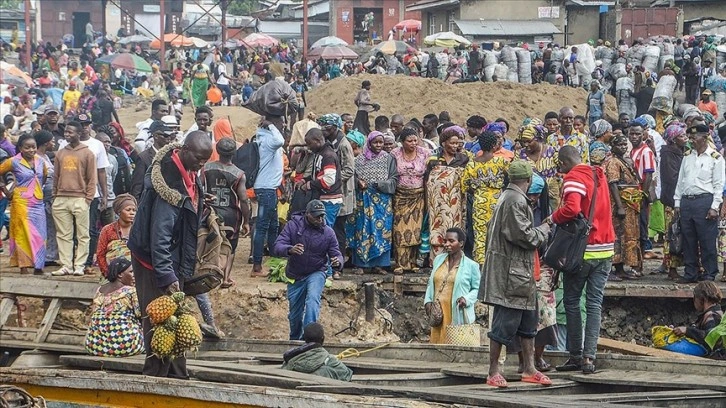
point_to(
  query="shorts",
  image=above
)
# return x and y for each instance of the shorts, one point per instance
(508, 323)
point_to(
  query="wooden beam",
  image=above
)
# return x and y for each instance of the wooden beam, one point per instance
(638, 350)
(651, 380)
(48, 288)
(6, 308)
(48, 320)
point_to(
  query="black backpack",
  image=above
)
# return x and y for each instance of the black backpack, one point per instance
(247, 159)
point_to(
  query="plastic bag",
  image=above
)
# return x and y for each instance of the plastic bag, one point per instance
(664, 338)
(275, 98)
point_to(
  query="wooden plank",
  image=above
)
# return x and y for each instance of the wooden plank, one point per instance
(6, 308)
(651, 380)
(48, 320)
(652, 396)
(29, 345)
(27, 334)
(638, 350)
(48, 287)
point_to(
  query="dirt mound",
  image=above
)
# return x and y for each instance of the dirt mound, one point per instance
(416, 97)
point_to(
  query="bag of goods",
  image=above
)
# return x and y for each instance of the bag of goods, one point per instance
(663, 95)
(663, 60)
(720, 55)
(524, 66)
(274, 98)
(176, 330)
(512, 76)
(501, 71)
(720, 98)
(650, 60)
(715, 83)
(489, 59)
(489, 72)
(617, 71)
(635, 54)
(509, 58)
(607, 58)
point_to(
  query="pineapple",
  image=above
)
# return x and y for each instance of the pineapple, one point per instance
(188, 333)
(161, 309)
(163, 342)
(178, 297)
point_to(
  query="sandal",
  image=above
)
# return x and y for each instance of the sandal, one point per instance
(588, 368)
(497, 381)
(538, 378)
(614, 278)
(228, 284)
(572, 364)
(358, 271)
(398, 271)
(380, 271)
(336, 275)
(543, 366)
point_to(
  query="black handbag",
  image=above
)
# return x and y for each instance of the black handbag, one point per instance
(675, 237)
(566, 250)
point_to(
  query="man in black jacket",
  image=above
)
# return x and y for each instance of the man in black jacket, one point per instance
(162, 134)
(163, 240)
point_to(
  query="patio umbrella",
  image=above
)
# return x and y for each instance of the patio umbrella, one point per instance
(199, 43)
(328, 41)
(12, 75)
(136, 38)
(391, 46)
(255, 40)
(176, 40)
(446, 39)
(333, 52)
(125, 61)
(408, 25)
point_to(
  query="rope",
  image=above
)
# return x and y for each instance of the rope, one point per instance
(351, 352)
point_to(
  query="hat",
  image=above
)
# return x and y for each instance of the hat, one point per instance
(51, 109)
(520, 170)
(317, 208)
(83, 119)
(699, 128)
(160, 126)
(706, 92)
(170, 121)
(607, 43)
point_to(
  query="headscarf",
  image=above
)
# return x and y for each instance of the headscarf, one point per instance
(222, 128)
(456, 130)
(356, 137)
(122, 201)
(598, 152)
(367, 152)
(650, 120)
(639, 121)
(674, 130)
(708, 118)
(496, 127)
(531, 121)
(669, 120)
(600, 127)
(331, 119)
(116, 267)
(618, 139)
(537, 184)
(530, 132)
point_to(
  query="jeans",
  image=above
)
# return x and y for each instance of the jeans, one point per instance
(331, 215)
(227, 91)
(644, 217)
(267, 224)
(93, 230)
(303, 296)
(591, 277)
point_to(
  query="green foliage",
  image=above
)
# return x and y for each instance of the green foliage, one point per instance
(277, 270)
(240, 7)
(10, 4)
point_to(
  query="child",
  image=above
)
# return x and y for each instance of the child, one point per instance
(312, 358)
(707, 301)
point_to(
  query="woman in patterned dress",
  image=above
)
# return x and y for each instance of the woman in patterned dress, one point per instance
(27, 212)
(115, 328)
(541, 156)
(484, 177)
(371, 225)
(671, 156)
(444, 197)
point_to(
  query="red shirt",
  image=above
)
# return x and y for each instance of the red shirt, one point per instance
(188, 177)
(643, 159)
(178, 75)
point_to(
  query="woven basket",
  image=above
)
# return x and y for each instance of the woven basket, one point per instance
(467, 334)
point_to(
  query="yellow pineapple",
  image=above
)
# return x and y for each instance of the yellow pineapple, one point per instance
(161, 309)
(188, 333)
(163, 342)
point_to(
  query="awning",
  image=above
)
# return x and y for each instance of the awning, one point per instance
(431, 4)
(591, 2)
(506, 28)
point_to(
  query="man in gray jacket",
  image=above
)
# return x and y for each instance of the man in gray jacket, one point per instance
(509, 275)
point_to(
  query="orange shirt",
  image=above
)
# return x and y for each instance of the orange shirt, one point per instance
(709, 107)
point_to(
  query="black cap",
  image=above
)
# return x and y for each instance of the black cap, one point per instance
(315, 208)
(83, 119)
(699, 128)
(159, 126)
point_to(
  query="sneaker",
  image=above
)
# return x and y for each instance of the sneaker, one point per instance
(62, 272)
(78, 271)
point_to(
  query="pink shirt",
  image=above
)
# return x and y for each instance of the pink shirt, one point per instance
(411, 173)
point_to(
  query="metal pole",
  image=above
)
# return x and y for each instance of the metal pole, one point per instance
(28, 39)
(370, 296)
(305, 36)
(162, 49)
(104, 3)
(223, 6)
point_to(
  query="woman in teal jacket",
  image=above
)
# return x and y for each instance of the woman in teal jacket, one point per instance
(454, 283)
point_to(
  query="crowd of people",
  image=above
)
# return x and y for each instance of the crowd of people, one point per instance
(465, 202)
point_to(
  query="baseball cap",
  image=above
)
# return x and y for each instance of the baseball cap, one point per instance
(699, 128)
(706, 92)
(83, 118)
(159, 126)
(51, 109)
(315, 208)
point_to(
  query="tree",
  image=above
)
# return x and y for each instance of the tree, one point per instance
(240, 7)
(10, 4)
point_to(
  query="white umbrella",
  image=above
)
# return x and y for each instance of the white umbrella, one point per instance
(446, 38)
(328, 41)
(199, 43)
(137, 38)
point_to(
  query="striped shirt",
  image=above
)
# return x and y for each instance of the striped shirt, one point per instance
(644, 160)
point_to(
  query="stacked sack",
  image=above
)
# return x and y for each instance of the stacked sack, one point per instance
(524, 66)
(509, 58)
(663, 95)
(176, 330)
(490, 63)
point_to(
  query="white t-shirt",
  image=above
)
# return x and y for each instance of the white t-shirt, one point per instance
(143, 136)
(222, 69)
(99, 150)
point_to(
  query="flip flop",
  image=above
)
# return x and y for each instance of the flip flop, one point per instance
(497, 381)
(228, 284)
(537, 378)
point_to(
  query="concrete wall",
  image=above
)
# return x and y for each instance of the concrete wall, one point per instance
(512, 10)
(716, 9)
(442, 22)
(583, 23)
(55, 25)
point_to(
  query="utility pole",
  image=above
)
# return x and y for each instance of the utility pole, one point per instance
(28, 39)
(305, 31)
(104, 4)
(223, 4)
(162, 49)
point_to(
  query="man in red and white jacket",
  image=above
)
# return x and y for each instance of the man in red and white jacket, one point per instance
(577, 192)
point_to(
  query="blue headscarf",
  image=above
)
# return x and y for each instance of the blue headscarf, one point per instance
(537, 184)
(357, 137)
(331, 119)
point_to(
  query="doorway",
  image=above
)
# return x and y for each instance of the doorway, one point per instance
(80, 19)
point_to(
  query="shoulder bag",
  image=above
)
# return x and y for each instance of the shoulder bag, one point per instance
(566, 250)
(436, 313)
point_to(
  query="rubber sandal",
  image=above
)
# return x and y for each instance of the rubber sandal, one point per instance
(537, 378)
(588, 368)
(228, 284)
(543, 366)
(570, 365)
(497, 381)
(398, 271)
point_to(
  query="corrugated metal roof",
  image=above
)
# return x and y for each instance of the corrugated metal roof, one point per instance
(506, 28)
(431, 4)
(591, 2)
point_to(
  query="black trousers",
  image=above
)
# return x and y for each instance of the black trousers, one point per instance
(93, 230)
(339, 229)
(147, 290)
(698, 233)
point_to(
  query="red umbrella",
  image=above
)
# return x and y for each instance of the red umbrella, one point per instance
(333, 52)
(255, 40)
(409, 25)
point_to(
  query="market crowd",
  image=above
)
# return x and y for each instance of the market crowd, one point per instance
(466, 201)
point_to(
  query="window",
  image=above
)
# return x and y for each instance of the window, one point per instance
(432, 23)
(451, 15)
(8, 25)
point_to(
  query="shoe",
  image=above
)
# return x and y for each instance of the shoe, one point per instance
(62, 272)
(588, 368)
(88, 270)
(210, 331)
(250, 260)
(52, 263)
(684, 281)
(78, 272)
(572, 364)
(614, 278)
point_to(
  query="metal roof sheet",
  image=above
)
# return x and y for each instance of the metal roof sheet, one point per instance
(506, 28)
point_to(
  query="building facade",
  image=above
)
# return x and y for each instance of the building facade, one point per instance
(347, 19)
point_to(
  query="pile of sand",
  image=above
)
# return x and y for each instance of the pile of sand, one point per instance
(415, 97)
